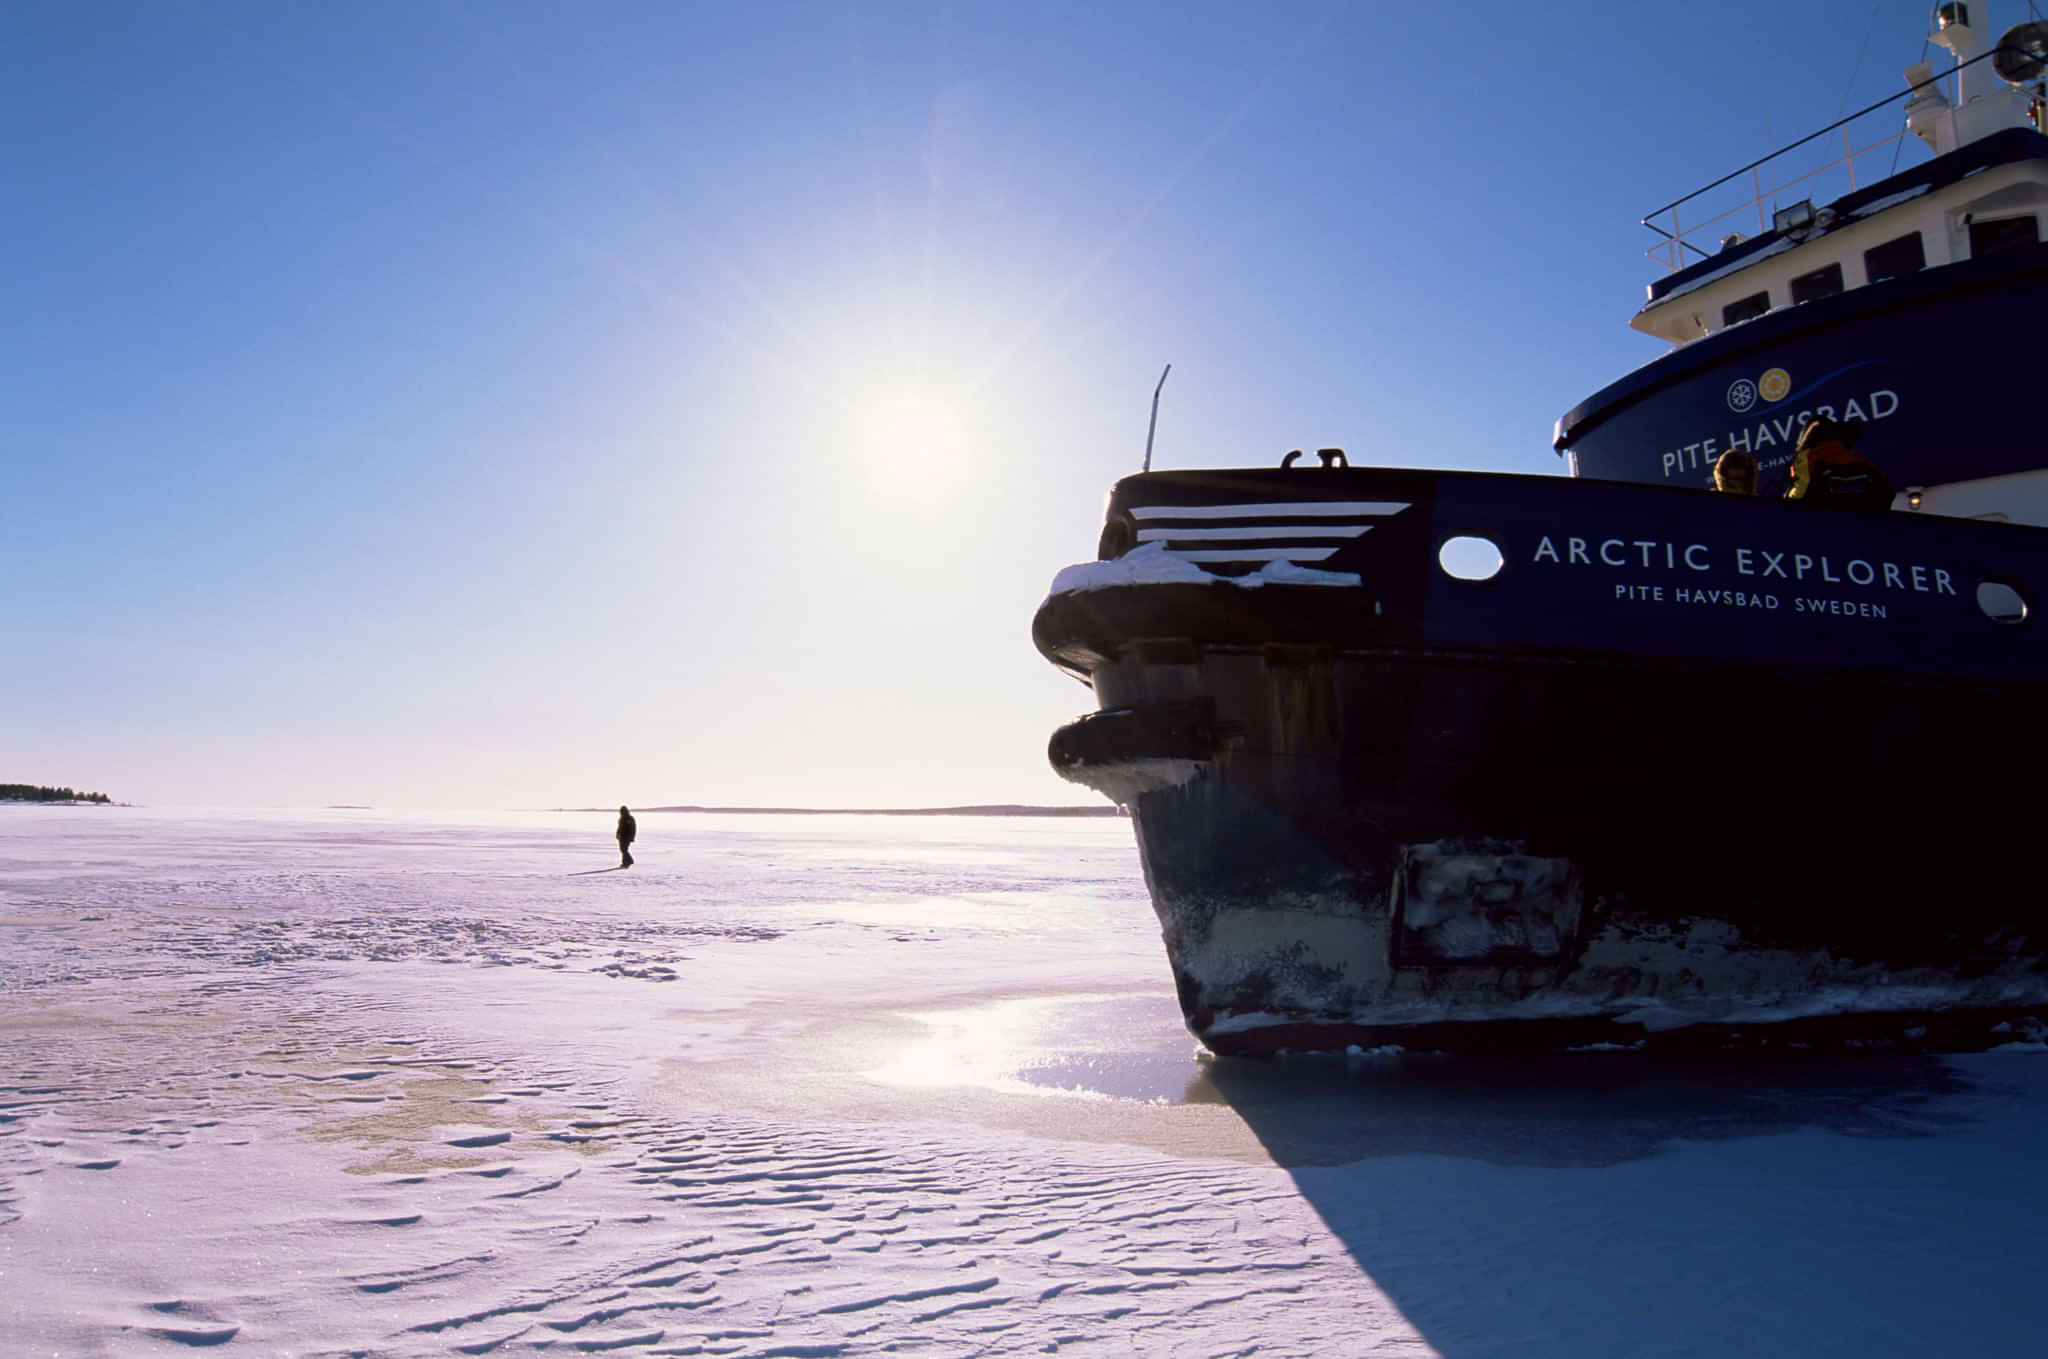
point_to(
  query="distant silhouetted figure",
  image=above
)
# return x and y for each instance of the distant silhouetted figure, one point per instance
(1735, 473)
(1827, 469)
(628, 828)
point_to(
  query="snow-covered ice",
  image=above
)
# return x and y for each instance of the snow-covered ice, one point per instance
(350, 1083)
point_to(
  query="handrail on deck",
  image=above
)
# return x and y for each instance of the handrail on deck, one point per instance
(1670, 250)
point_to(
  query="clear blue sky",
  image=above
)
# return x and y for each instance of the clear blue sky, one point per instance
(502, 404)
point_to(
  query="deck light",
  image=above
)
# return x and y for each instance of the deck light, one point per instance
(1795, 220)
(1913, 497)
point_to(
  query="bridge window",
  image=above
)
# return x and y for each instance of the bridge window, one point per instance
(1756, 304)
(1818, 284)
(1895, 259)
(2002, 233)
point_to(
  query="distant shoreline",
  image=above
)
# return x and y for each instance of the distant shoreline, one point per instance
(45, 794)
(999, 809)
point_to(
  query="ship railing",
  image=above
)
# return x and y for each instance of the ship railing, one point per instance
(1721, 208)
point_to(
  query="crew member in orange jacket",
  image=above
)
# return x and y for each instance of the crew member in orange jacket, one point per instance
(1827, 469)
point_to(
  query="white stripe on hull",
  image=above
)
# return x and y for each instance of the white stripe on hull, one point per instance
(1261, 554)
(1291, 529)
(1155, 535)
(1293, 509)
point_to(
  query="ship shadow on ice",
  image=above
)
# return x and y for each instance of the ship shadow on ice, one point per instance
(1570, 1109)
(1622, 1204)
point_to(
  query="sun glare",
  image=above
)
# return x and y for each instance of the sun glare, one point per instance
(914, 444)
(912, 428)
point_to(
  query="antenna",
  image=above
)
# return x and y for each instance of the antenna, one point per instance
(1151, 428)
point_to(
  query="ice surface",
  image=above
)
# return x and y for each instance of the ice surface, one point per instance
(351, 1083)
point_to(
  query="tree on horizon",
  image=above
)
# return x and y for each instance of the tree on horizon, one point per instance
(31, 792)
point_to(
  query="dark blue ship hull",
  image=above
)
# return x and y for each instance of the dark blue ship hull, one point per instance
(1882, 354)
(1685, 766)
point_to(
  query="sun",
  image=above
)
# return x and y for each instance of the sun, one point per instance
(914, 445)
(911, 427)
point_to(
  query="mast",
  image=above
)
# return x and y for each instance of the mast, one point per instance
(1149, 429)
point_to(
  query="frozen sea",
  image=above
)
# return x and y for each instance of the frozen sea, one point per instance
(348, 1082)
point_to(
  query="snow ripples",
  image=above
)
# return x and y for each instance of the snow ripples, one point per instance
(443, 1202)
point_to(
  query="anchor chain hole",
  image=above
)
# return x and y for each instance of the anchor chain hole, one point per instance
(2000, 602)
(1470, 557)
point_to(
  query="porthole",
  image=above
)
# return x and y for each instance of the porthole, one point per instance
(2000, 602)
(1470, 557)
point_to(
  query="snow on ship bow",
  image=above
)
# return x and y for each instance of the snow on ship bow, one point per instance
(1464, 760)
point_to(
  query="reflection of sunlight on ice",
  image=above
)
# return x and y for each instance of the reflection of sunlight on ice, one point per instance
(982, 1047)
(1045, 1045)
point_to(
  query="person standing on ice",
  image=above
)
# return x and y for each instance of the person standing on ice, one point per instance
(628, 828)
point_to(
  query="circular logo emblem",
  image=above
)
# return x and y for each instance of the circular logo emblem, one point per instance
(1774, 384)
(1741, 395)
